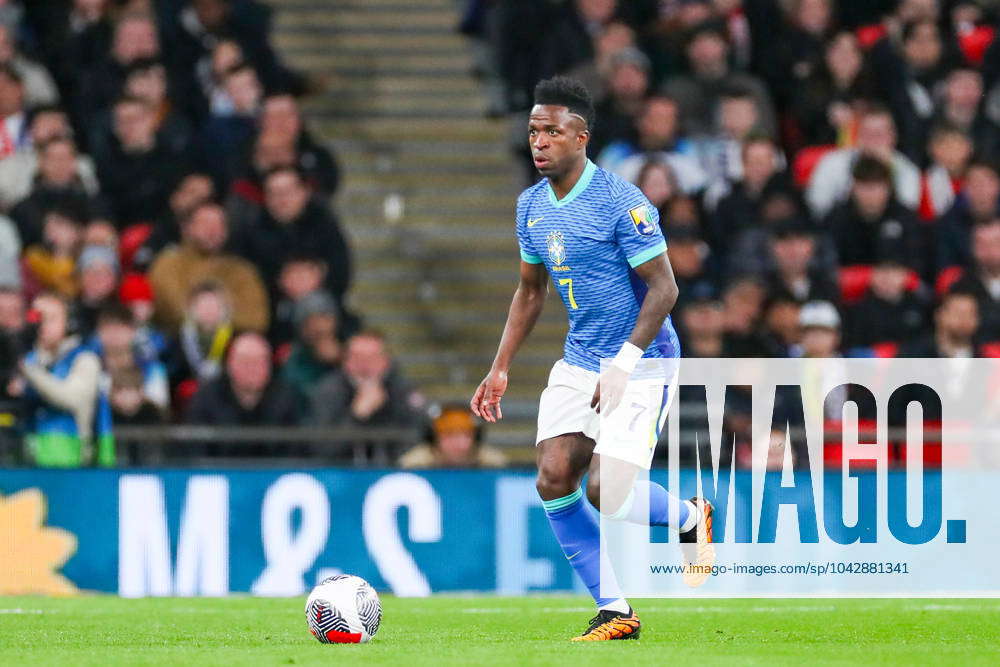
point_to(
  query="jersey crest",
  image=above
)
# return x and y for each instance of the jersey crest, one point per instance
(556, 247)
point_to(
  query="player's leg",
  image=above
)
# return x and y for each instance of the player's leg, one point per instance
(613, 486)
(562, 462)
(628, 438)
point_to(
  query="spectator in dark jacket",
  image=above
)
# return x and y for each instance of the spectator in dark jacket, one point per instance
(888, 312)
(57, 184)
(872, 216)
(955, 323)
(246, 394)
(982, 279)
(978, 202)
(295, 223)
(137, 171)
(369, 390)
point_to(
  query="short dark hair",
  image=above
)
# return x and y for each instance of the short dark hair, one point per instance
(115, 313)
(563, 91)
(870, 170)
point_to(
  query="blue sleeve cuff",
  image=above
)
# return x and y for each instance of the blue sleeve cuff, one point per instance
(529, 258)
(647, 254)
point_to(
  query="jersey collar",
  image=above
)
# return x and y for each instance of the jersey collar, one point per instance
(581, 185)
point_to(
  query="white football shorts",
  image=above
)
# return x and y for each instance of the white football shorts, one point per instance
(629, 433)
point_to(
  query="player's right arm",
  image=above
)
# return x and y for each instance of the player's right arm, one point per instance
(529, 298)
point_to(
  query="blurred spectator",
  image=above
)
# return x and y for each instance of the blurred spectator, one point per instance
(656, 138)
(889, 311)
(115, 343)
(734, 205)
(246, 195)
(51, 264)
(628, 84)
(873, 216)
(18, 172)
(282, 117)
(823, 107)
(702, 324)
(962, 107)
(795, 276)
(295, 223)
(797, 51)
(193, 190)
(56, 184)
(76, 36)
(129, 404)
(950, 150)
(721, 153)
(95, 86)
(956, 321)
(247, 394)
(69, 419)
(698, 92)
(820, 323)
(689, 259)
(316, 351)
(97, 269)
(10, 254)
(454, 440)
(831, 180)
(13, 120)
(978, 202)
(982, 278)
(203, 23)
(658, 182)
(39, 88)
(137, 169)
(909, 72)
(301, 276)
(136, 294)
(200, 347)
(146, 80)
(13, 335)
(226, 136)
(743, 302)
(200, 257)
(368, 391)
(781, 324)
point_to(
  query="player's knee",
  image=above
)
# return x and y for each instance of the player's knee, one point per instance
(555, 480)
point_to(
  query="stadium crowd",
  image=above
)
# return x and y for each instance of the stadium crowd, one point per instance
(837, 154)
(169, 252)
(826, 174)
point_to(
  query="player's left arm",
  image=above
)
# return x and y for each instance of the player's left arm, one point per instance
(637, 232)
(660, 299)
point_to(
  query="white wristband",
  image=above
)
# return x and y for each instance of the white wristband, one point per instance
(627, 357)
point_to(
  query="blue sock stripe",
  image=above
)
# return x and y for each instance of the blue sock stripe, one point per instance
(561, 503)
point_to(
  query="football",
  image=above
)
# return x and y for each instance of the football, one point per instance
(343, 609)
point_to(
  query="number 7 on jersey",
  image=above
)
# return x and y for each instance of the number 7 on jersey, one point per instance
(569, 282)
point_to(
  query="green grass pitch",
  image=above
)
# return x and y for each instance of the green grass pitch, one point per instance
(98, 630)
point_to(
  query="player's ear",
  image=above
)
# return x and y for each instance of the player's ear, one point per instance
(583, 137)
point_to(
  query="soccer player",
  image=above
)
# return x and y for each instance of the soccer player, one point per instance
(600, 240)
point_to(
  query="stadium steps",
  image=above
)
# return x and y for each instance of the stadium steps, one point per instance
(428, 193)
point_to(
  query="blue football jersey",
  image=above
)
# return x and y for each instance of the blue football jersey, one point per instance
(589, 241)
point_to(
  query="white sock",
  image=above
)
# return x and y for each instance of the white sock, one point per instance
(694, 516)
(620, 605)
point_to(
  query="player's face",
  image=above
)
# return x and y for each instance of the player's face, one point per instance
(557, 138)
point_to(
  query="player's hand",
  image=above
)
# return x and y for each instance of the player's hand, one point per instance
(609, 391)
(485, 402)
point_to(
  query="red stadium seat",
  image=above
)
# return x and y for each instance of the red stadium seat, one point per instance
(854, 281)
(947, 277)
(990, 350)
(806, 160)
